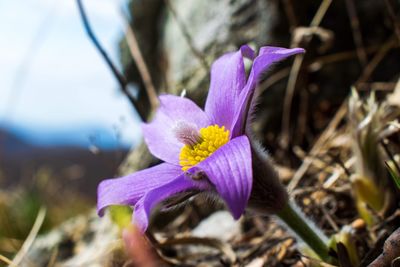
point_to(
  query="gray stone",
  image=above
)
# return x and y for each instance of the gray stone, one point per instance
(85, 240)
(214, 27)
(220, 225)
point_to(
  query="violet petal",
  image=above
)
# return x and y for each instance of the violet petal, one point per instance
(228, 77)
(268, 55)
(155, 196)
(129, 189)
(229, 169)
(159, 134)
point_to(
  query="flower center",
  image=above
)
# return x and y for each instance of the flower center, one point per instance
(211, 138)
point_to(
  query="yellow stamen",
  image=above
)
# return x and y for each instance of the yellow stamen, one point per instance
(212, 138)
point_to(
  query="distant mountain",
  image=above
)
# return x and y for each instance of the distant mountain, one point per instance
(79, 135)
(11, 143)
(73, 165)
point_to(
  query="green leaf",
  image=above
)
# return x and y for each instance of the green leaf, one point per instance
(393, 174)
(121, 215)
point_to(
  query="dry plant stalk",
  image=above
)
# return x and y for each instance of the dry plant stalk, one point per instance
(367, 119)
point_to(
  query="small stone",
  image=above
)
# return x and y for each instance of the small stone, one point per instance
(86, 240)
(220, 225)
(358, 224)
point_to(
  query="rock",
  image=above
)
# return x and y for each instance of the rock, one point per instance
(213, 28)
(220, 225)
(81, 241)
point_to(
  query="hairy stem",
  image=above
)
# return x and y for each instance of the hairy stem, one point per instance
(305, 229)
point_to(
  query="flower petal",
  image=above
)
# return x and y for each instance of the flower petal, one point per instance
(248, 52)
(268, 55)
(228, 77)
(153, 197)
(279, 50)
(229, 169)
(159, 134)
(129, 189)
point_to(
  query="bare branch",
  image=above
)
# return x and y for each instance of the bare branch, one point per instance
(121, 79)
(140, 63)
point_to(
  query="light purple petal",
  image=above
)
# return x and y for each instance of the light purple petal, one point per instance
(159, 134)
(279, 50)
(247, 52)
(268, 55)
(228, 78)
(129, 189)
(229, 169)
(153, 197)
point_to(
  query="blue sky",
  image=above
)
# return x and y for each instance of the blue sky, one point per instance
(52, 78)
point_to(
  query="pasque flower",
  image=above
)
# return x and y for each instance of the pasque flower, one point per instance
(202, 150)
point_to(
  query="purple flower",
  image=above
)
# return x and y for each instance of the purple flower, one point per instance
(202, 150)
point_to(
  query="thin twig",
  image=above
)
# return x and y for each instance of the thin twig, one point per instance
(369, 69)
(319, 162)
(121, 79)
(340, 56)
(140, 63)
(273, 79)
(331, 180)
(198, 54)
(377, 86)
(329, 130)
(294, 73)
(31, 237)
(319, 62)
(355, 27)
(320, 14)
(329, 218)
(340, 162)
(303, 118)
(394, 18)
(287, 104)
(6, 261)
(290, 14)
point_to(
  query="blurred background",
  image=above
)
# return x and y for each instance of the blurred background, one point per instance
(67, 122)
(64, 125)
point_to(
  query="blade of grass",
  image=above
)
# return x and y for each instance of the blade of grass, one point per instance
(6, 261)
(31, 237)
(393, 174)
